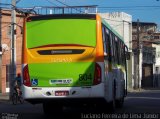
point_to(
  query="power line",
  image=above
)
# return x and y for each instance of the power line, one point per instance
(68, 6)
(51, 3)
(101, 10)
(62, 3)
(131, 8)
(4, 4)
(18, 1)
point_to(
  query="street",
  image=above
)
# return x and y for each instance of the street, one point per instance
(143, 104)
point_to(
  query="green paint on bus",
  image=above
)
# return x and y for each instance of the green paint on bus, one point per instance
(61, 31)
(62, 74)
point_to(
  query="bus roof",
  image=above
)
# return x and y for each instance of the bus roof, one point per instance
(62, 16)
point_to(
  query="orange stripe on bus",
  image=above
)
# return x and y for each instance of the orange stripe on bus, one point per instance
(99, 46)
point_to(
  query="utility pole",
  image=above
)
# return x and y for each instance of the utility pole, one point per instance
(13, 48)
(139, 59)
(137, 78)
(0, 49)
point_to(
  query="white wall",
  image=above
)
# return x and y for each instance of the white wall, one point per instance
(157, 65)
(157, 54)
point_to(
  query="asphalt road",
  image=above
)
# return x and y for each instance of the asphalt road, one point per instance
(144, 105)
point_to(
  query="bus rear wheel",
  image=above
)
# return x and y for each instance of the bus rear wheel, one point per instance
(119, 103)
(112, 104)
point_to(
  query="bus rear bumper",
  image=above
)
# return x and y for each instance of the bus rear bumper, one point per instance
(43, 93)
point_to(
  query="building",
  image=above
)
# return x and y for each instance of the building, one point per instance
(144, 54)
(156, 45)
(6, 47)
(122, 23)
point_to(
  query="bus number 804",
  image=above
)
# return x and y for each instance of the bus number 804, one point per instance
(85, 77)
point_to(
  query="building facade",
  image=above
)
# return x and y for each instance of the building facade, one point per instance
(144, 54)
(156, 45)
(6, 47)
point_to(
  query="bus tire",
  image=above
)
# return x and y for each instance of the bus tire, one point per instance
(120, 102)
(112, 104)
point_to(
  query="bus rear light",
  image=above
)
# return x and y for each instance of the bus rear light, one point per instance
(26, 78)
(29, 19)
(97, 75)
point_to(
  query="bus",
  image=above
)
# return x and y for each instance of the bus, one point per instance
(73, 59)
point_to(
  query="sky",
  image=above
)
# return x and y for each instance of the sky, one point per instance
(148, 12)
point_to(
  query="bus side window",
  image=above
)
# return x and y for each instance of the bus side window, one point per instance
(117, 50)
(108, 44)
(120, 53)
(114, 49)
(122, 58)
(111, 46)
(123, 52)
(104, 43)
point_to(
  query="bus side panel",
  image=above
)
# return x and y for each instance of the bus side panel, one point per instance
(119, 78)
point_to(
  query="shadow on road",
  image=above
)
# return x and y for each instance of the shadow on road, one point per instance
(79, 113)
(68, 113)
(146, 101)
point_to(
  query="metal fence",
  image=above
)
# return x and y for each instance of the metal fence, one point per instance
(61, 10)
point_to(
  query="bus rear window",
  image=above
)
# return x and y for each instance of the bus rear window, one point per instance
(61, 31)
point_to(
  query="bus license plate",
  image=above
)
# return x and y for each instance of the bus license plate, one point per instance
(61, 93)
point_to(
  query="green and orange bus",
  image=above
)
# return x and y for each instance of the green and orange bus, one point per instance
(73, 59)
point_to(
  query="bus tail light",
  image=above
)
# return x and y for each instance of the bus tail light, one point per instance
(97, 75)
(26, 78)
(29, 19)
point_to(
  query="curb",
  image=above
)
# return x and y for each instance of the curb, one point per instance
(142, 90)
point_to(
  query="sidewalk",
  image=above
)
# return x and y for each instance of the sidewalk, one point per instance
(4, 97)
(142, 90)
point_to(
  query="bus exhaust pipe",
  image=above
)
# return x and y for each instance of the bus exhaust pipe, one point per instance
(48, 93)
